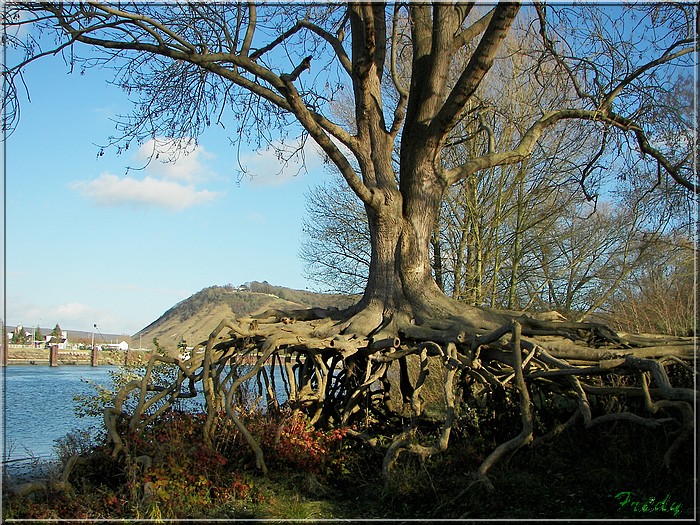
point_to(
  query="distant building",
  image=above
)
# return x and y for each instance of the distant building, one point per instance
(62, 342)
(123, 346)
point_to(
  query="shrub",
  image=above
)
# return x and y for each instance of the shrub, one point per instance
(181, 477)
(289, 441)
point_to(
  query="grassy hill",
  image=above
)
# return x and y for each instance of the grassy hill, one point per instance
(193, 319)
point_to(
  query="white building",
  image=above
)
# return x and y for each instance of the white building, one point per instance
(122, 346)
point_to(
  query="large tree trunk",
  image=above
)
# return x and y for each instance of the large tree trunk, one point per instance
(422, 192)
(383, 296)
(401, 289)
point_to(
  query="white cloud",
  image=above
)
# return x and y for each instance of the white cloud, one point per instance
(111, 190)
(266, 168)
(169, 181)
(70, 316)
(178, 159)
(71, 311)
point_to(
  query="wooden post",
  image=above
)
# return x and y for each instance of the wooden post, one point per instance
(127, 357)
(53, 355)
(95, 361)
(4, 347)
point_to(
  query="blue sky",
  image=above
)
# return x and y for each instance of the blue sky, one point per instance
(88, 241)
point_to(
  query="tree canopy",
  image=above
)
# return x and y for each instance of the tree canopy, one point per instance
(417, 77)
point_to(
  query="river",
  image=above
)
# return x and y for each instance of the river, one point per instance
(38, 406)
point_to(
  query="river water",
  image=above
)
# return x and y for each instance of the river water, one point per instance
(38, 406)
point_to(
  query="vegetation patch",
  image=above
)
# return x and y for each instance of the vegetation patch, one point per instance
(170, 474)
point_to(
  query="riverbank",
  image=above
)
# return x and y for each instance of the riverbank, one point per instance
(24, 470)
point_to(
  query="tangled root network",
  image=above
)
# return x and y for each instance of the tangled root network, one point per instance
(388, 383)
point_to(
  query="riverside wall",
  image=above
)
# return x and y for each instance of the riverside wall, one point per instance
(41, 357)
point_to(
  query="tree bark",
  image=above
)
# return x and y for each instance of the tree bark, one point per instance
(401, 289)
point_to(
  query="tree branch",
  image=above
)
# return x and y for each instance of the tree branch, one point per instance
(250, 30)
(525, 147)
(549, 46)
(476, 28)
(214, 62)
(479, 64)
(303, 66)
(137, 18)
(607, 100)
(318, 134)
(400, 111)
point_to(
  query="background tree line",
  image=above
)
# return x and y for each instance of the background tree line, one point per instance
(22, 335)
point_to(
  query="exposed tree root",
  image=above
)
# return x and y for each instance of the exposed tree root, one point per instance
(46, 485)
(374, 380)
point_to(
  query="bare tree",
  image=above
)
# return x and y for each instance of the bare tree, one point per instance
(584, 256)
(274, 69)
(661, 296)
(336, 243)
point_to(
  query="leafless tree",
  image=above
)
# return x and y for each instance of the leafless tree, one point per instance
(273, 70)
(661, 296)
(336, 244)
(584, 256)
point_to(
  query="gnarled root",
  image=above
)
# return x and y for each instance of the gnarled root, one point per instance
(376, 379)
(46, 485)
